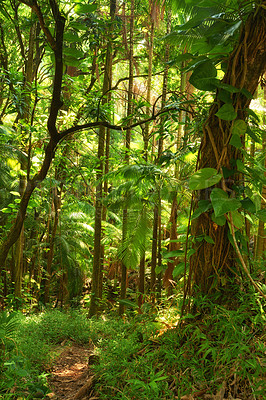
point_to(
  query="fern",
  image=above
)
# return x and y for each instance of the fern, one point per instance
(138, 228)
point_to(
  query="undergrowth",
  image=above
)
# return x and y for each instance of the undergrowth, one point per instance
(216, 353)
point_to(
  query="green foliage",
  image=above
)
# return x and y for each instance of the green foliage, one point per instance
(204, 178)
(27, 348)
(200, 354)
(204, 76)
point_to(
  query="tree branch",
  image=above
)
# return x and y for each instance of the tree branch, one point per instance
(77, 128)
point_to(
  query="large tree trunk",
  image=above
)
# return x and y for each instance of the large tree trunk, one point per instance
(212, 264)
(261, 237)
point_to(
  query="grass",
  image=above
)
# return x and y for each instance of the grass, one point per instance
(142, 356)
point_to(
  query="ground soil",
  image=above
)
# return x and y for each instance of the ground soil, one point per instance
(72, 376)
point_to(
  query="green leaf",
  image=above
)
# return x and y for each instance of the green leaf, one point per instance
(240, 166)
(251, 133)
(261, 214)
(174, 253)
(204, 178)
(248, 205)
(226, 112)
(178, 270)
(72, 37)
(228, 88)
(208, 239)
(203, 76)
(246, 93)
(73, 52)
(218, 220)
(85, 8)
(222, 204)
(239, 127)
(238, 219)
(253, 114)
(224, 96)
(200, 17)
(203, 206)
(236, 141)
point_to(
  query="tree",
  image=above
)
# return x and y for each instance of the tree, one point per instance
(215, 262)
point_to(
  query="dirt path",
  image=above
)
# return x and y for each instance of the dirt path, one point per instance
(72, 377)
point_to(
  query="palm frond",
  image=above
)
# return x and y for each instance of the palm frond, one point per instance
(210, 26)
(138, 228)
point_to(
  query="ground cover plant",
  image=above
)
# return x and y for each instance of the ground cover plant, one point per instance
(218, 351)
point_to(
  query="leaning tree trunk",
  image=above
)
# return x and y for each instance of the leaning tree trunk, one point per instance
(212, 264)
(56, 103)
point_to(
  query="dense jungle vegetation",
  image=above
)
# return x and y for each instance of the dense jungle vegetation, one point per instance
(133, 197)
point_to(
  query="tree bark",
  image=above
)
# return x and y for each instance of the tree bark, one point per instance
(261, 236)
(212, 264)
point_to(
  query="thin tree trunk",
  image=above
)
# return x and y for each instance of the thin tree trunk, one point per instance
(24, 116)
(157, 213)
(128, 140)
(50, 255)
(97, 262)
(146, 136)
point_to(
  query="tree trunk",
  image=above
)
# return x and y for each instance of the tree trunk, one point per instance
(261, 237)
(212, 264)
(128, 140)
(146, 136)
(50, 255)
(97, 262)
(57, 45)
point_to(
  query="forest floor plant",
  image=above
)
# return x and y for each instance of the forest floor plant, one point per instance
(218, 352)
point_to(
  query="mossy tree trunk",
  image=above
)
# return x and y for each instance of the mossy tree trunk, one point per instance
(212, 265)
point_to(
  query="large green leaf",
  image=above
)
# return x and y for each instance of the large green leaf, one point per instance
(204, 178)
(239, 127)
(203, 206)
(226, 112)
(236, 141)
(204, 76)
(222, 204)
(178, 270)
(81, 8)
(238, 219)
